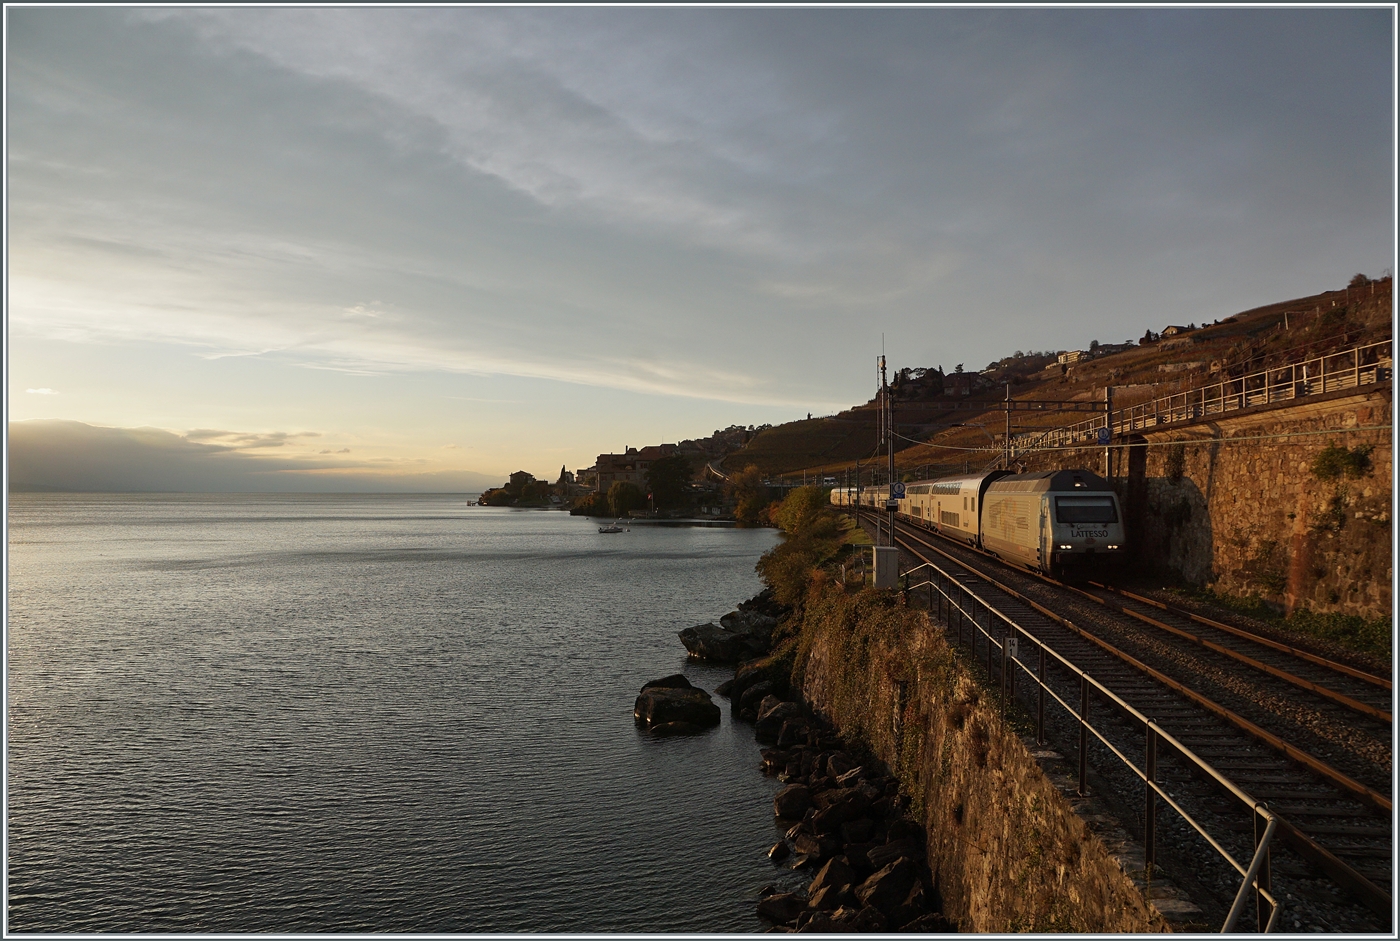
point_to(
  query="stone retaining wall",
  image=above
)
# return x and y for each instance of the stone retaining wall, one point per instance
(1009, 846)
(1233, 503)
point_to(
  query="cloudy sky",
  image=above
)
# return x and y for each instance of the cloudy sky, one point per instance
(423, 245)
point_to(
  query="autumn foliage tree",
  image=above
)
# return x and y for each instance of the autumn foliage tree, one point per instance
(750, 496)
(812, 536)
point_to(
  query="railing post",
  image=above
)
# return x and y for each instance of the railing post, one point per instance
(1013, 644)
(988, 632)
(1264, 882)
(1004, 638)
(1040, 706)
(1083, 735)
(1149, 825)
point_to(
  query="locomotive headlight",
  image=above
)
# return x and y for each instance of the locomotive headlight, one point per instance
(1066, 547)
(1113, 547)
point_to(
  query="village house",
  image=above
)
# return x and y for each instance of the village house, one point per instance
(958, 383)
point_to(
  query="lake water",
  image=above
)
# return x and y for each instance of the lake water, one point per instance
(368, 713)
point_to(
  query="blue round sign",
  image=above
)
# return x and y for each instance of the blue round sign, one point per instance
(1104, 435)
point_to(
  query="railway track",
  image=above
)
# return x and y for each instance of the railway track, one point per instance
(1257, 709)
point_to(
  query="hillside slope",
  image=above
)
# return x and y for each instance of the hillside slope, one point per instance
(948, 441)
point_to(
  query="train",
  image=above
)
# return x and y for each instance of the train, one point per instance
(1064, 523)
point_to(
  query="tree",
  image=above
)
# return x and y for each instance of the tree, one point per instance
(624, 495)
(749, 494)
(590, 504)
(1093, 345)
(1358, 281)
(667, 478)
(958, 368)
(799, 508)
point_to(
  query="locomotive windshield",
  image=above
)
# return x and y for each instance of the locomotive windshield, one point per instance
(1085, 510)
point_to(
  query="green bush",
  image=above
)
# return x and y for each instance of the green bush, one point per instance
(812, 536)
(1333, 462)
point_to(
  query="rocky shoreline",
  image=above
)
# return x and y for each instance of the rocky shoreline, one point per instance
(844, 818)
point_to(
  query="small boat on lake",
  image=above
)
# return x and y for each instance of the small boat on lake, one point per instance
(613, 528)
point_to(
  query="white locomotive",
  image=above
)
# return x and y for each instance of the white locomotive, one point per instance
(1063, 523)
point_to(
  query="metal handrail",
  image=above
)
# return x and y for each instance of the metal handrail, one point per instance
(1362, 365)
(1154, 732)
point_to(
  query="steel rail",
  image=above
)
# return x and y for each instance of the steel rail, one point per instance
(1250, 874)
(1374, 897)
(1381, 681)
(1320, 767)
(1340, 698)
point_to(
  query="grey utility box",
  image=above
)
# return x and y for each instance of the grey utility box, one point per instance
(886, 566)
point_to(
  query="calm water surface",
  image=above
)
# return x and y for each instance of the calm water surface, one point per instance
(367, 713)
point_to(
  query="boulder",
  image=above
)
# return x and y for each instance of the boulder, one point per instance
(674, 681)
(860, 862)
(781, 907)
(888, 887)
(779, 851)
(838, 763)
(818, 848)
(835, 875)
(882, 856)
(749, 620)
(848, 805)
(930, 924)
(724, 689)
(772, 713)
(857, 831)
(866, 921)
(755, 628)
(714, 643)
(823, 898)
(834, 795)
(775, 668)
(913, 907)
(850, 778)
(753, 695)
(792, 802)
(793, 732)
(660, 705)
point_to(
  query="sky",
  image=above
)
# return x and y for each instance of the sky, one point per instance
(423, 248)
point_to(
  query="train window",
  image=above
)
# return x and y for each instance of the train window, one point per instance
(1085, 510)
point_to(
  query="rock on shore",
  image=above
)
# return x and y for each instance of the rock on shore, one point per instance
(672, 706)
(845, 819)
(739, 635)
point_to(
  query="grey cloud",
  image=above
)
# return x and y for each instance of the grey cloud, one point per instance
(52, 455)
(559, 193)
